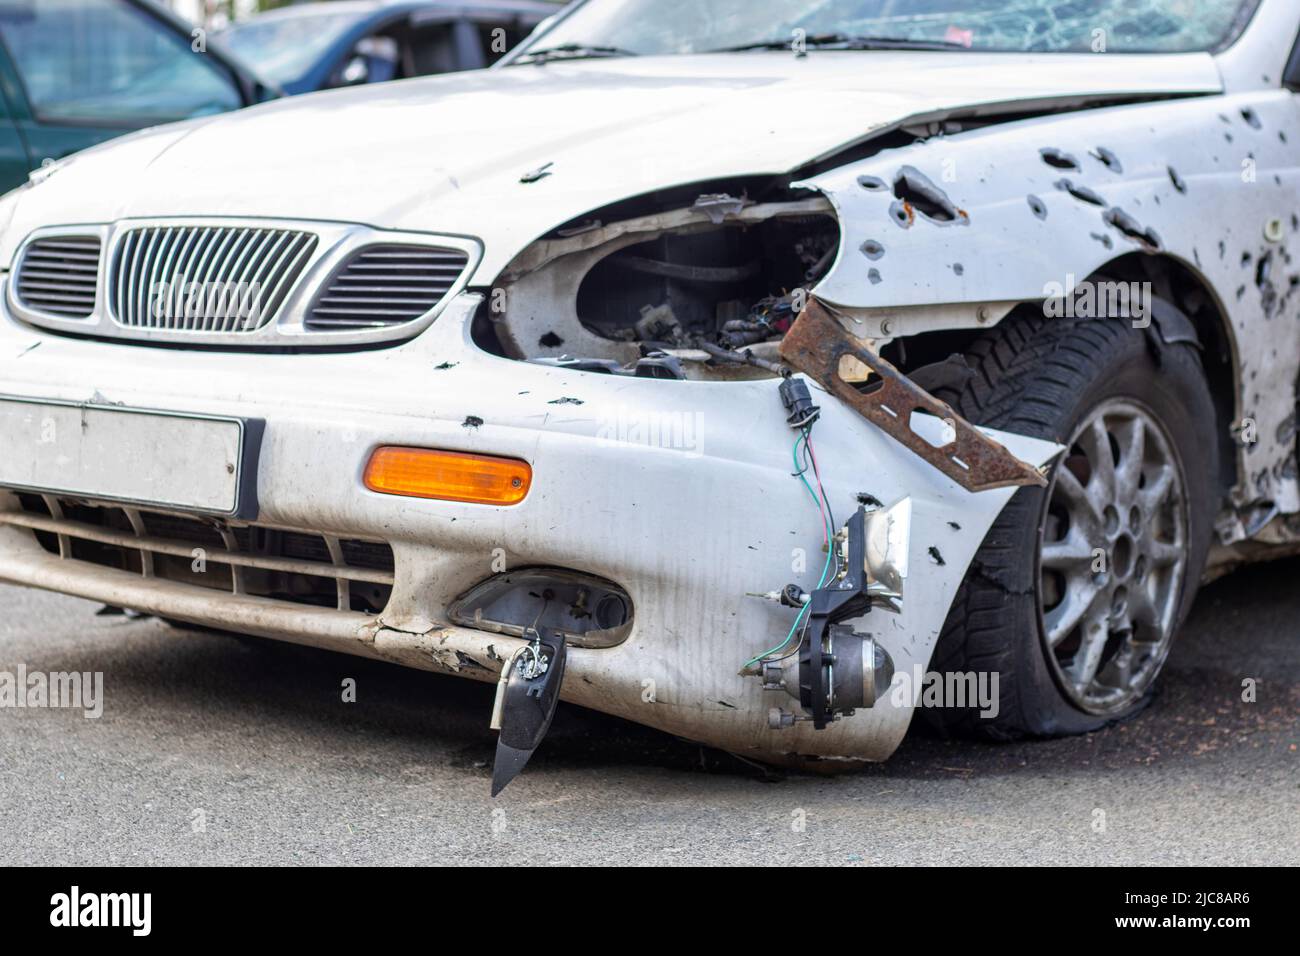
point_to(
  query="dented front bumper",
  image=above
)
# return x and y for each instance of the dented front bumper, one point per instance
(679, 492)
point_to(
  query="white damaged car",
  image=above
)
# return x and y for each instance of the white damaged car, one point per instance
(731, 366)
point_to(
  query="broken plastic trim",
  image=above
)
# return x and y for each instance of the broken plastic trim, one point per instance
(817, 343)
(585, 610)
(527, 696)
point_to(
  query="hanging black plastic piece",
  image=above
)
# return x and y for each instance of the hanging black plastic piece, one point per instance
(797, 399)
(527, 697)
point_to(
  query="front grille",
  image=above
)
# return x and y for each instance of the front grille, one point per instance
(217, 279)
(293, 566)
(59, 275)
(386, 285)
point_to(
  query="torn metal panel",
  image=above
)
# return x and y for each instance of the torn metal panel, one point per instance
(1053, 201)
(818, 346)
(708, 210)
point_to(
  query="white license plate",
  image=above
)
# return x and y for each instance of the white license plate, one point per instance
(166, 459)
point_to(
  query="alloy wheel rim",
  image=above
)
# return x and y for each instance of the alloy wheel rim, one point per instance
(1112, 558)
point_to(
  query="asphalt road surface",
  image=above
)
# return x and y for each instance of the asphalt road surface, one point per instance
(216, 750)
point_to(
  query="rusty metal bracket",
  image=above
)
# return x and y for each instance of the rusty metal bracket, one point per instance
(817, 344)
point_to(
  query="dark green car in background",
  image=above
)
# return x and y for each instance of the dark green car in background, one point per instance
(74, 73)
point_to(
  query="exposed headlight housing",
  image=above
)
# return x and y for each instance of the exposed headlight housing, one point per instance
(588, 611)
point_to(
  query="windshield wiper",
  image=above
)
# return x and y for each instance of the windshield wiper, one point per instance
(843, 41)
(573, 51)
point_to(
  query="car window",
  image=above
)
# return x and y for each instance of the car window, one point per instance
(285, 47)
(372, 59)
(107, 61)
(499, 39)
(433, 50)
(1048, 26)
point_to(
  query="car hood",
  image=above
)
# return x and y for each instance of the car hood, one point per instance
(447, 154)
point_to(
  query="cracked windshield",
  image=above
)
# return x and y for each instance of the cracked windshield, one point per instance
(652, 27)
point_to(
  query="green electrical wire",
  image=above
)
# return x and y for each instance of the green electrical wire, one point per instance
(800, 473)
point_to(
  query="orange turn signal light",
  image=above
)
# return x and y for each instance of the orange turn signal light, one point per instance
(448, 476)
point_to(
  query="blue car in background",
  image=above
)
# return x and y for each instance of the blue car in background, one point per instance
(74, 73)
(318, 46)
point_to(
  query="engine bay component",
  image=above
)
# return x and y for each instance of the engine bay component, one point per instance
(715, 284)
(726, 286)
(527, 696)
(816, 346)
(654, 364)
(798, 402)
(583, 610)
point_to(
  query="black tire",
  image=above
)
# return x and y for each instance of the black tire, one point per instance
(1043, 377)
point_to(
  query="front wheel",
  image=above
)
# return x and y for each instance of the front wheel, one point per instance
(1113, 558)
(1078, 590)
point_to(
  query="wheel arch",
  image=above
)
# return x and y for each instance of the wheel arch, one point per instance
(1172, 280)
(1184, 286)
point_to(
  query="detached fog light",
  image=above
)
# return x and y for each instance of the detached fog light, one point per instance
(448, 476)
(586, 610)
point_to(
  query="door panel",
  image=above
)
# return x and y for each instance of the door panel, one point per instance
(94, 69)
(14, 159)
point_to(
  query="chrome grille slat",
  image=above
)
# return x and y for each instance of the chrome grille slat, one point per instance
(123, 255)
(367, 311)
(183, 259)
(424, 274)
(411, 252)
(214, 242)
(140, 294)
(388, 285)
(165, 274)
(237, 282)
(71, 312)
(196, 263)
(59, 276)
(157, 280)
(290, 264)
(69, 262)
(238, 237)
(359, 274)
(137, 260)
(67, 245)
(238, 272)
(214, 279)
(277, 252)
(61, 297)
(64, 262)
(267, 252)
(438, 263)
(50, 280)
(378, 294)
(137, 255)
